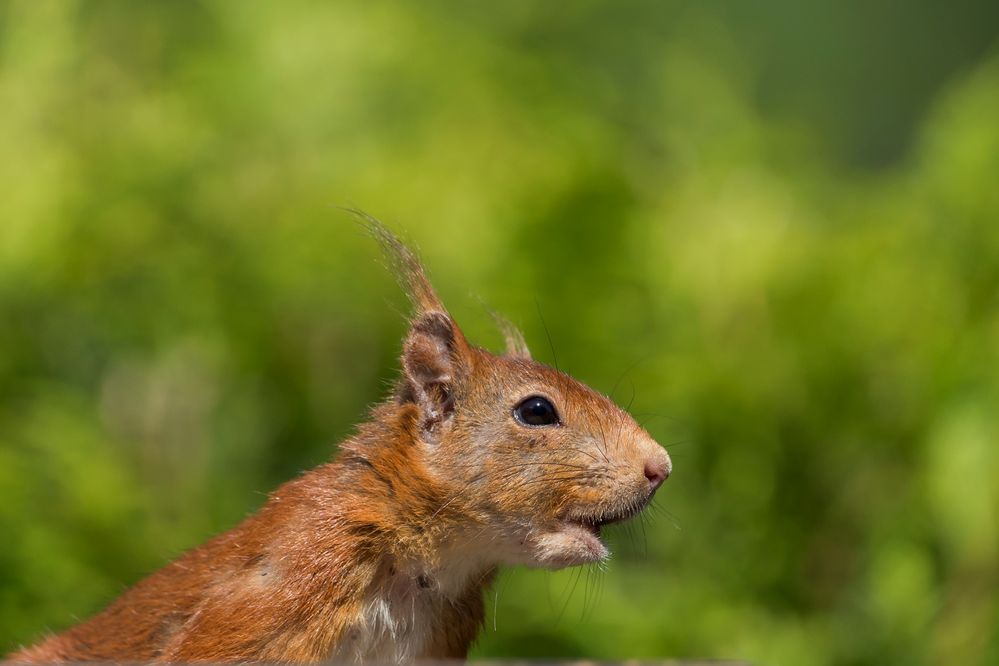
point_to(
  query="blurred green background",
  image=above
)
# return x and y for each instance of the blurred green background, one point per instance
(772, 226)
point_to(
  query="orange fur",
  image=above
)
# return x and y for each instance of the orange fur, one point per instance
(384, 553)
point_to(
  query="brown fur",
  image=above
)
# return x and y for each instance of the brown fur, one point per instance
(439, 488)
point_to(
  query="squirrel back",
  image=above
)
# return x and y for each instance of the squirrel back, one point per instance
(475, 461)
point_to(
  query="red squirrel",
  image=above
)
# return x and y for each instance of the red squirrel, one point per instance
(476, 460)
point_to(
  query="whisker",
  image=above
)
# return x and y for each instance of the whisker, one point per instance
(582, 473)
(598, 580)
(603, 435)
(504, 578)
(645, 537)
(586, 453)
(548, 334)
(566, 478)
(544, 463)
(571, 448)
(574, 580)
(475, 478)
(663, 511)
(625, 373)
(593, 584)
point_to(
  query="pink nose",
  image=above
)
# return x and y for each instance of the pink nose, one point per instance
(656, 473)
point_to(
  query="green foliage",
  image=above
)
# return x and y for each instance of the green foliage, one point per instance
(799, 297)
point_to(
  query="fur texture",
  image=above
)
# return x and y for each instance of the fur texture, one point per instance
(384, 553)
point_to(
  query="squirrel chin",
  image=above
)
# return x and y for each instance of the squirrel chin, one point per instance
(569, 544)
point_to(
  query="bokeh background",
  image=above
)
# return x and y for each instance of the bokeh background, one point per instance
(771, 228)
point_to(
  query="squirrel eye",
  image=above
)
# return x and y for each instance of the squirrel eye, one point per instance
(536, 411)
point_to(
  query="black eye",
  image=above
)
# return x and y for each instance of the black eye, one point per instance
(536, 411)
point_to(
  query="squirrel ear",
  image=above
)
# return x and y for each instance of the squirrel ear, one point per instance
(435, 357)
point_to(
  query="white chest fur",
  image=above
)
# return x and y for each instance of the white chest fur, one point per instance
(395, 624)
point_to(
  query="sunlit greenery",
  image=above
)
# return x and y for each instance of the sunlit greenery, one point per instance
(773, 232)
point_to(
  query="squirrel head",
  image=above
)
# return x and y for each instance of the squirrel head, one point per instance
(532, 463)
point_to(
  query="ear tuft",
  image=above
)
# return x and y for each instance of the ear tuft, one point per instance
(436, 359)
(516, 345)
(405, 264)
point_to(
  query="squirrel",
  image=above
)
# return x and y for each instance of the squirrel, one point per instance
(475, 461)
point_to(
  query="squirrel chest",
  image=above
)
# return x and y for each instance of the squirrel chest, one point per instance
(410, 616)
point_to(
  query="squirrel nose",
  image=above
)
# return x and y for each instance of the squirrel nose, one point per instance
(656, 472)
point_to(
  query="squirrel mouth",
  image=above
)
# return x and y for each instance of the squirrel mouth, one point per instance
(593, 523)
(575, 537)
